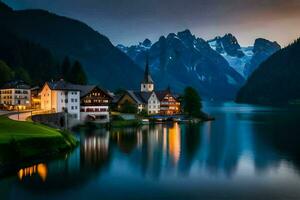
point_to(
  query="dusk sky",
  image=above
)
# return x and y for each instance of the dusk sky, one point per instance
(130, 21)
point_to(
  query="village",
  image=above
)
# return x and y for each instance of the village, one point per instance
(92, 103)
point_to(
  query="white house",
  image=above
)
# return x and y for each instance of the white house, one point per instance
(60, 96)
(153, 104)
(15, 95)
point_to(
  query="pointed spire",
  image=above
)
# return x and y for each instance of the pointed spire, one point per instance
(147, 66)
(169, 89)
(147, 76)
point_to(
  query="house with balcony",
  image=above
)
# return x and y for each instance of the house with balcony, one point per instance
(15, 95)
(94, 104)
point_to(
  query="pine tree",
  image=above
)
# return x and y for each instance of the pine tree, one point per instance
(77, 74)
(192, 102)
(6, 74)
(66, 68)
(22, 74)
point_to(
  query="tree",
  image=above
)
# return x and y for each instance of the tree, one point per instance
(192, 102)
(77, 74)
(66, 68)
(22, 74)
(6, 74)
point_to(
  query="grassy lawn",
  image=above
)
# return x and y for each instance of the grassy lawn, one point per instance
(27, 140)
(10, 129)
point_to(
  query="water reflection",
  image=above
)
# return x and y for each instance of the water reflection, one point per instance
(39, 169)
(245, 147)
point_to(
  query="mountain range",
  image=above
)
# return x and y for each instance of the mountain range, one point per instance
(217, 67)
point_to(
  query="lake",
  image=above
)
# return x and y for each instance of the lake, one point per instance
(249, 152)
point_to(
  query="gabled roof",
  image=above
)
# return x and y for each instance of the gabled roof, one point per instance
(139, 97)
(162, 93)
(86, 89)
(61, 85)
(83, 89)
(18, 84)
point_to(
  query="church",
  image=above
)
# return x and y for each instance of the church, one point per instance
(153, 102)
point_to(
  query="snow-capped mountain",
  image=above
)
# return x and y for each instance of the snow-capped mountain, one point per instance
(214, 67)
(243, 59)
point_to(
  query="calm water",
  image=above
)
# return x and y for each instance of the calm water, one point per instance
(247, 153)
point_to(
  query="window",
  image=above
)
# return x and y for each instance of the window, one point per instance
(72, 107)
(72, 100)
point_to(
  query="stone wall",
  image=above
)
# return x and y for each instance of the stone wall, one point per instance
(55, 120)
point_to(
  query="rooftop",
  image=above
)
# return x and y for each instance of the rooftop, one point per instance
(18, 84)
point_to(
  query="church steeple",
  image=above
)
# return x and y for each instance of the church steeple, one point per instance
(147, 84)
(147, 75)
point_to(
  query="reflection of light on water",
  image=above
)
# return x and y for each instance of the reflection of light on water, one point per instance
(174, 142)
(165, 139)
(40, 169)
(95, 148)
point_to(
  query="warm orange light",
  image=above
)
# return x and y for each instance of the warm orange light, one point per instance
(174, 142)
(40, 169)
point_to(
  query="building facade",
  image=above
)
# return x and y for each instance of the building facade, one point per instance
(94, 104)
(61, 96)
(169, 103)
(153, 104)
(15, 95)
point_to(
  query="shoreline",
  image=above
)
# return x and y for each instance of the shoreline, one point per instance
(27, 142)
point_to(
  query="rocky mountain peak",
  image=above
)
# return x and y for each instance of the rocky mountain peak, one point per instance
(186, 36)
(262, 50)
(265, 45)
(147, 43)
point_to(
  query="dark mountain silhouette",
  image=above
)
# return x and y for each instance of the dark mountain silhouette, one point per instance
(262, 50)
(104, 63)
(276, 81)
(36, 63)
